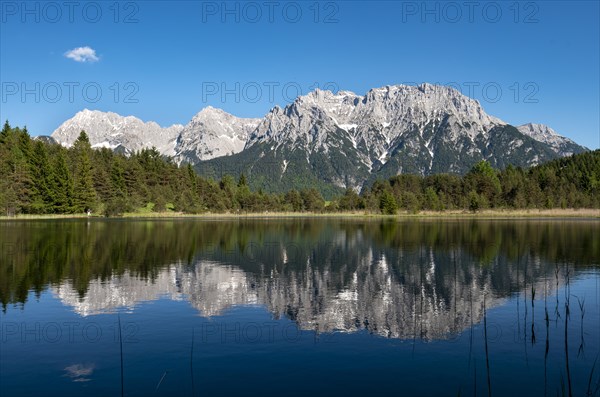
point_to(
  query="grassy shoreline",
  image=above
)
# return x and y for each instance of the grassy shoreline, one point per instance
(458, 214)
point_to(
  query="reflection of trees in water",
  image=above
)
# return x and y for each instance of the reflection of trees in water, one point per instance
(423, 280)
(342, 273)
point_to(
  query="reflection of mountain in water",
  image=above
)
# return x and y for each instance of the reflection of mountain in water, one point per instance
(124, 291)
(424, 279)
(423, 301)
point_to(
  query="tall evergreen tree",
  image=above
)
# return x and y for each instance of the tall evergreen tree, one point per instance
(84, 194)
(62, 184)
(18, 169)
(483, 179)
(293, 200)
(388, 204)
(4, 132)
(242, 181)
(313, 200)
(44, 189)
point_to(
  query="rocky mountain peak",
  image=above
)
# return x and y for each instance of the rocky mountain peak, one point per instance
(111, 130)
(339, 138)
(213, 133)
(542, 133)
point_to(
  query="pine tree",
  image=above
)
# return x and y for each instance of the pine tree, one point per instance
(42, 200)
(350, 201)
(388, 204)
(483, 179)
(117, 179)
(84, 194)
(432, 200)
(62, 184)
(242, 180)
(294, 200)
(102, 184)
(312, 199)
(117, 202)
(17, 169)
(4, 132)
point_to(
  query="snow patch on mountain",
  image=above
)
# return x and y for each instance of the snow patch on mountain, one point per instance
(212, 133)
(542, 133)
(349, 137)
(380, 119)
(108, 129)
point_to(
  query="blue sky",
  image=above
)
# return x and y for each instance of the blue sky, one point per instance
(165, 61)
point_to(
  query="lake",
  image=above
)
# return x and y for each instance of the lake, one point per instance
(336, 306)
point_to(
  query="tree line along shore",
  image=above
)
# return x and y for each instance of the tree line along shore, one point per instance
(40, 179)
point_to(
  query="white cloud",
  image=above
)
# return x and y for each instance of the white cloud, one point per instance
(82, 54)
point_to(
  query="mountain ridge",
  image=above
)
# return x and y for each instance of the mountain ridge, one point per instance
(111, 130)
(342, 138)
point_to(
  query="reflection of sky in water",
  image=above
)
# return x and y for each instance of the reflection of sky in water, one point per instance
(244, 350)
(352, 310)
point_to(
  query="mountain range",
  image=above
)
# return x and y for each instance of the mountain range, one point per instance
(334, 141)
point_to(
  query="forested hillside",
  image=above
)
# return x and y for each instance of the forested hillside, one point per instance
(37, 177)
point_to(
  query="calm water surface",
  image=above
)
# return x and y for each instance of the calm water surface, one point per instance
(299, 307)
